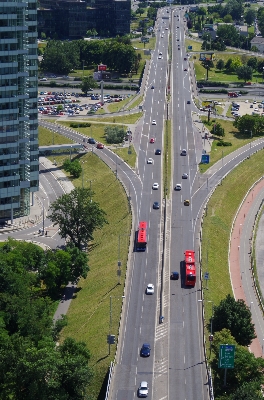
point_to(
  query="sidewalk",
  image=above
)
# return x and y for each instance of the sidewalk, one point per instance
(240, 262)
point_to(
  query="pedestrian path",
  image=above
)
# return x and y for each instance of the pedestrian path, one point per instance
(241, 273)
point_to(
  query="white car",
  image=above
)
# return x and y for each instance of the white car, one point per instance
(155, 186)
(159, 57)
(150, 161)
(143, 389)
(150, 288)
(178, 186)
(184, 175)
(154, 122)
(162, 36)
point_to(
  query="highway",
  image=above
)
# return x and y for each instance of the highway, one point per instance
(176, 364)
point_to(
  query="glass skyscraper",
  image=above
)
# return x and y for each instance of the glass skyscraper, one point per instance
(19, 166)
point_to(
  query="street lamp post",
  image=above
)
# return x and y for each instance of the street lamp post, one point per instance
(110, 321)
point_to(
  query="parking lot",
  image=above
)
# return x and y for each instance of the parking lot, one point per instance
(74, 103)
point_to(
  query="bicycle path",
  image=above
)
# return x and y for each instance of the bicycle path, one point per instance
(241, 276)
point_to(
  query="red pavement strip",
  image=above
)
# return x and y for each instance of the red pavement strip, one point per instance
(234, 266)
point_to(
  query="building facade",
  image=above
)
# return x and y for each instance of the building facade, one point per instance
(71, 19)
(19, 166)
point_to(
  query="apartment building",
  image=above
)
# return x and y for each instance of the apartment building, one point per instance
(19, 166)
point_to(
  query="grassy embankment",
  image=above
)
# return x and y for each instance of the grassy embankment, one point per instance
(231, 135)
(217, 224)
(88, 316)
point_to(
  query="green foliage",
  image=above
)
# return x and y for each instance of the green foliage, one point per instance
(218, 130)
(88, 83)
(80, 124)
(247, 368)
(228, 34)
(250, 16)
(220, 64)
(235, 316)
(250, 125)
(114, 134)
(32, 366)
(224, 144)
(253, 63)
(244, 72)
(60, 57)
(228, 19)
(73, 167)
(235, 9)
(248, 391)
(77, 216)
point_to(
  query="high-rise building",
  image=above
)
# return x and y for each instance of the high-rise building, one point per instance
(19, 166)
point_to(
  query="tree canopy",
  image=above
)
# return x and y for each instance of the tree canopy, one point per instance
(250, 125)
(32, 366)
(235, 316)
(77, 216)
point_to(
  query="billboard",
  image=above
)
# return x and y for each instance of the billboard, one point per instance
(206, 56)
(102, 67)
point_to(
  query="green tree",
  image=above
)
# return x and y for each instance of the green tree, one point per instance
(218, 130)
(228, 19)
(228, 34)
(77, 216)
(140, 11)
(235, 316)
(253, 63)
(235, 8)
(244, 72)
(114, 134)
(60, 57)
(250, 16)
(73, 167)
(248, 391)
(88, 83)
(247, 368)
(220, 64)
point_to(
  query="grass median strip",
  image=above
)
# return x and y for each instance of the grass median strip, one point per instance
(128, 154)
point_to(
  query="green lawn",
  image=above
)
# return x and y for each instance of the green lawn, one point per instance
(221, 210)
(118, 106)
(130, 159)
(88, 316)
(47, 138)
(136, 103)
(196, 46)
(222, 76)
(150, 45)
(231, 135)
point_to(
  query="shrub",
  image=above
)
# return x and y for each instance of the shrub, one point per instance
(80, 125)
(222, 143)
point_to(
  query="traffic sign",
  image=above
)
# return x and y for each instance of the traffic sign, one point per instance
(190, 47)
(226, 356)
(206, 276)
(205, 159)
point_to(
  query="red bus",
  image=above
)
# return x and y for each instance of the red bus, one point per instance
(141, 239)
(190, 270)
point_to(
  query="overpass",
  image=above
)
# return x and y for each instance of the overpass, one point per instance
(46, 150)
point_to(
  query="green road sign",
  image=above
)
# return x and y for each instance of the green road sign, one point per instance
(226, 356)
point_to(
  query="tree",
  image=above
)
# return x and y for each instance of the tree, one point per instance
(60, 57)
(244, 72)
(253, 63)
(88, 83)
(114, 134)
(228, 34)
(77, 216)
(218, 130)
(250, 16)
(235, 8)
(248, 391)
(228, 19)
(140, 11)
(235, 316)
(73, 167)
(250, 125)
(220, 64)
(247, 368)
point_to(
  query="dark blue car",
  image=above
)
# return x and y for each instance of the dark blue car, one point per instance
(145, 350)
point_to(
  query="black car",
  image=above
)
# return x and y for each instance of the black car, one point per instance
(145, 350)
(188, 102)
(156, 205)
(91, 140)
(158, 152)
(152, 87)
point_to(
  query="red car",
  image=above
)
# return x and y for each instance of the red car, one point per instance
(152, 140)
(100, 146)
